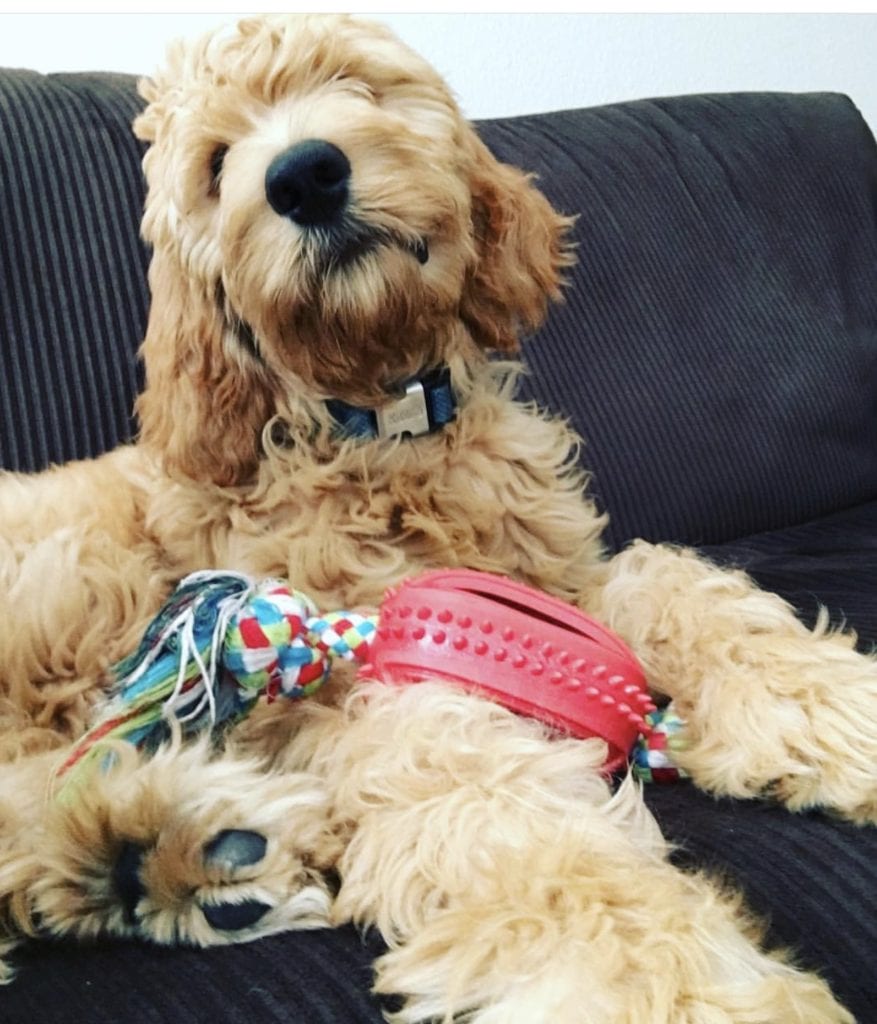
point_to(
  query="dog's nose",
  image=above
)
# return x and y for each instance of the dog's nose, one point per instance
(308, 182)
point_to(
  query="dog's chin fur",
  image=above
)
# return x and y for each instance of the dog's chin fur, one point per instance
(511, 885)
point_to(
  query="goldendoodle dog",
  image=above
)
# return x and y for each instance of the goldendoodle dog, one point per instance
(327, 230)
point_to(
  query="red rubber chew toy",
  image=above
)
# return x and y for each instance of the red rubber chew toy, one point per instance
(530, 652)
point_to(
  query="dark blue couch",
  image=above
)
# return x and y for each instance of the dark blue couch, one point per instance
(718, 350)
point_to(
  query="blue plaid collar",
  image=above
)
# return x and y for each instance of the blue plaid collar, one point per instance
(427, 404)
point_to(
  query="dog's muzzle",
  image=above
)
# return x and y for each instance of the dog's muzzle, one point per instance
(309, 183)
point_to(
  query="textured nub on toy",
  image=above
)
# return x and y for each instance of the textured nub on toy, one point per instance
(531, 652)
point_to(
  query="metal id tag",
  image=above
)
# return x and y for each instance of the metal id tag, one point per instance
(407, 415)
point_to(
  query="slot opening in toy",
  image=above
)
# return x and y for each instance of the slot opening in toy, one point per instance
(518, 606)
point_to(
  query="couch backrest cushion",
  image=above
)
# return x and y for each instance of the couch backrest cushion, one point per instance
(718, 344)
(72, 269)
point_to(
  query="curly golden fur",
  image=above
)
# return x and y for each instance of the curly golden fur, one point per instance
(511, 884)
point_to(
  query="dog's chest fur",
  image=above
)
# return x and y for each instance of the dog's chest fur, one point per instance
(493, 491)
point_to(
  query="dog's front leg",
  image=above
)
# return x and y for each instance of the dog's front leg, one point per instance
(771, 706)
(514, 888)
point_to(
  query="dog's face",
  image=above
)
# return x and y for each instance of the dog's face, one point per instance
(323, 219)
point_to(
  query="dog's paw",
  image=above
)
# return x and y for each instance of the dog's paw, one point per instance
(232, 850)
(808, 736)
(229, 853)
(181, 848)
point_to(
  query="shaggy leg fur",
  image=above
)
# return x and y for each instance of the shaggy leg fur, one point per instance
(513, 887)
(22, 799)
(510, 884)
(772, 707)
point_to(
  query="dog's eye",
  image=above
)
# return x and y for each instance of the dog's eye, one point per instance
(216, 161)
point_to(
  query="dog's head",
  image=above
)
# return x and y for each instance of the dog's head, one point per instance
(324, 222)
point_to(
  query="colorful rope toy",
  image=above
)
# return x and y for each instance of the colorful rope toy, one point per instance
(219, 643)
(652, 757)
(223, 640)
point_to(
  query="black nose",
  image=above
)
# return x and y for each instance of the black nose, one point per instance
(308, 182)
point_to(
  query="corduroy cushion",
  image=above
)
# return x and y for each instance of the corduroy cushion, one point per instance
(830, 562)
(73, 296)
(310, 977)
(717, 348)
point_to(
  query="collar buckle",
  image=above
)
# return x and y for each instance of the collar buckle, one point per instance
(407, 415)
(426, 405)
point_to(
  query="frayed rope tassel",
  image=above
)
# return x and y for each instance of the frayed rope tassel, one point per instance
(218, 643)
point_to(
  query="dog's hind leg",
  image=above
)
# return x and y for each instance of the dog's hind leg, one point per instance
(514, 888)
(772, 707)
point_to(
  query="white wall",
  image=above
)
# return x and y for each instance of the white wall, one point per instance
(519, 63)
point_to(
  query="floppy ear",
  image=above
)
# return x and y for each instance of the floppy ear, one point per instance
(521, 248)
(203, 408)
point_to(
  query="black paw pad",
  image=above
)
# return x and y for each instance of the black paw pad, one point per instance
(235, 848)
(231, 917)
(126, 881)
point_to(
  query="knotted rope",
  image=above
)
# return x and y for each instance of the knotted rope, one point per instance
(219, 643)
